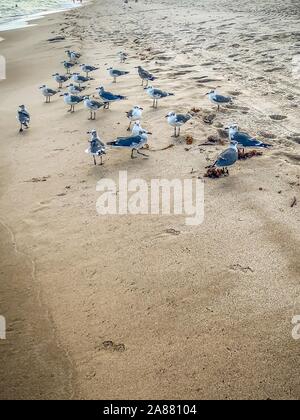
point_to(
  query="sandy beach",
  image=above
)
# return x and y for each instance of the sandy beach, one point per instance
(146, 307)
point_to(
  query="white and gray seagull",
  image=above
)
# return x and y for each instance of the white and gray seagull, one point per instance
(145, 75)
(227, 158)
(48, 93)
(134, 143)
(60, 79)
(72, 100)
(136, 128)
(135, 114)
(97, 147)
(123, 56)
(74, 89)
(88, 69)
(177, 121)
(157, 94)
(93, 106)
(23, 117)
(219, 100)
(114, 73)
(244, 139)
(109, 97)
(79, 79)
(73, 56)
(68, 65)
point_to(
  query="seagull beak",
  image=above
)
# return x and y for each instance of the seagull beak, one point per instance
(148, 132)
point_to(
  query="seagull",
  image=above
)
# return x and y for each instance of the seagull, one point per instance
(177, 120)
(145, 75)
(109, 97)
(93, 106)
(217, 99)
(72, 100)
(116, 73)
(134, 114)
(23, 117)
(123, 56)
(136, 128)
(244, 139)
(75, 90)
(48, 93)
(157, 94)
(88, 69)
(229, 157)
(60, 79)
(79, 79)
(134, 143)
(73, 56)
(68, 65)
(97, 147)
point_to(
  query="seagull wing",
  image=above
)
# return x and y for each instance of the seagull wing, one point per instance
(227, 158)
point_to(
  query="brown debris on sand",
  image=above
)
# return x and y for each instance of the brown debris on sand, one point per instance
(248, 155)
(214, 172)
(189, 140)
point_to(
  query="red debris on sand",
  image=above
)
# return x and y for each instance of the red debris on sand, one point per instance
(214, 172)
(248, 155)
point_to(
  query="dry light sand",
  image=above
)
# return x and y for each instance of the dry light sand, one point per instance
(147, 307)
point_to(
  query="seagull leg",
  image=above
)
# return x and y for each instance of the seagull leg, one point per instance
(95, 162)
(91, 116)
(178, 132)
(21, 128)
(132, 154)
(140, 153)
(115, 80)
(129, 128)
(101, 160)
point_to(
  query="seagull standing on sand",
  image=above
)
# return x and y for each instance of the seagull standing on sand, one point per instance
(23, 117)
(116, 73)
(88, 69)
(60, 79)
(145, 76)
(73, 56)
(229, 157)
(92, 106)
(157, 94)
(75, 90)
(177, 121)
(123, 56)
(134, 143)
(137, 128)
(79, 79)
(72, 100)
(48, 93)
(135, 114)
(97, 147)
(68, 65)
(109, 97)
(243, 139)
(217, 99)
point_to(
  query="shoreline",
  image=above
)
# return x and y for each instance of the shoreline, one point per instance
(20, 22)
(145, 307)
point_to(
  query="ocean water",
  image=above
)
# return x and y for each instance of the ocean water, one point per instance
(18, 10)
